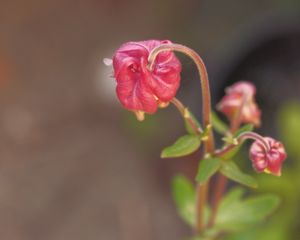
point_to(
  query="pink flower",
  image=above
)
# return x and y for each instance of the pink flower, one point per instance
(240, 97)
(267, 160)
(139, 89)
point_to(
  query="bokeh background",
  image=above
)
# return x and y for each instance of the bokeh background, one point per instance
(75, 165)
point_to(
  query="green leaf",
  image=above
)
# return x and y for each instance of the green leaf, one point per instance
(185, 145)
(185, 197)
(232, 171)
(232, 139)
(188, 127)
(261, 206)
(245, 128)
(236, 214)
(218, 124)
(232, 152)
(234, 195)
(207, 168)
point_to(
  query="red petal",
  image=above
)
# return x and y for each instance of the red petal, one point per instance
(133, 93)
(137, 87)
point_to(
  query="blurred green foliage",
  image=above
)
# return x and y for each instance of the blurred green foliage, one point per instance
(237, 213)
(207, 168)
(284, 223)
(234, 173)
(184, 195)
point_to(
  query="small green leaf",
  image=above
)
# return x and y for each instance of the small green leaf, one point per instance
(236, 214)
(232, 171)
(245, 128)
(188, 127)
(207, 168)
(185, 197)
(204, 135)
(185, 145)
(232, 139)
(232, 152)
(218, 124)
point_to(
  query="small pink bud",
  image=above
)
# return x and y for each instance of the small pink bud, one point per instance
(267, 160)
(139, 89)
(241, 95)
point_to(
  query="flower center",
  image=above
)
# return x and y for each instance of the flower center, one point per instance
(135, 68)
(273, 154)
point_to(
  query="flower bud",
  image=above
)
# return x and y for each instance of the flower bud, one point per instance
(239, 99)
(267, 160)
(138, 88)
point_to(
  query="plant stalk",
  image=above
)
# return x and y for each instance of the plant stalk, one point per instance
(202, 190)
(183, 111)
(221, 179)
(242, 137)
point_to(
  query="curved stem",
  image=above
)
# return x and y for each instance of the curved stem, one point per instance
(242, 137)
(201, 190)
(206, 101)
(254, 136)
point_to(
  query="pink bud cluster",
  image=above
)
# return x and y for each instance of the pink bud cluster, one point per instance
(142, 90)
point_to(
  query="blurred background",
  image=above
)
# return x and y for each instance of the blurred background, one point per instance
(76, 165)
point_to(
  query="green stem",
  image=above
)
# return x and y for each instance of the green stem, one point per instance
(186, 116)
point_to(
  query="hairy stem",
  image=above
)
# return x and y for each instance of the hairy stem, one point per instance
(206, 101)
(242, 137)
(202, 190)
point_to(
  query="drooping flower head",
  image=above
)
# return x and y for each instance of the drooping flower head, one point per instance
(268, 160)
(239, 99)
(138, 88)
